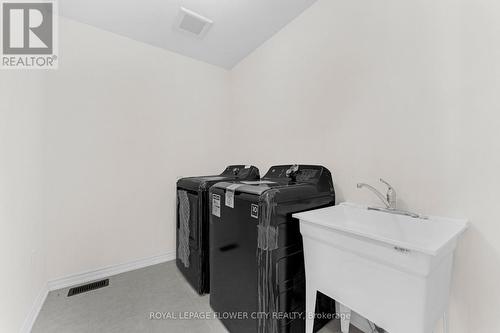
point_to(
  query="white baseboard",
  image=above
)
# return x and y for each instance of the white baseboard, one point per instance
(88, 276)
(35, 310)
(108, 271)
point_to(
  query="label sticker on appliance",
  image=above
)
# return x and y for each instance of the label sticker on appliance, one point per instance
(230, 199)
(230, 195)
(254, 211)
(216, 205)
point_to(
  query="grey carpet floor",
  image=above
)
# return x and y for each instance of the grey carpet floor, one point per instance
(125, 306)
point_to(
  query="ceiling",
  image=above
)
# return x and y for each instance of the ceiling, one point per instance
(240, 26)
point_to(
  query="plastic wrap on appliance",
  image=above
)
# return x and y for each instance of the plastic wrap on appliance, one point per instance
(267, 240)
(206, 182)
(184, 211)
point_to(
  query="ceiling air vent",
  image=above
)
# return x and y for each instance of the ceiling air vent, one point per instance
(192, 23)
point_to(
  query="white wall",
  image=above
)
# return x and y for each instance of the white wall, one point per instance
(405, 90)
(22, 251)
(124, 121)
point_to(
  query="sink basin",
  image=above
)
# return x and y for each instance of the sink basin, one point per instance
(392, 269)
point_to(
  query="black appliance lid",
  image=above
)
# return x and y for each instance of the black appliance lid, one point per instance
(282, 176)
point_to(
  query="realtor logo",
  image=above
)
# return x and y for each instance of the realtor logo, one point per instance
(28, 34)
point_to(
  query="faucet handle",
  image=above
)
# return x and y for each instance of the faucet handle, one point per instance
(391, 194)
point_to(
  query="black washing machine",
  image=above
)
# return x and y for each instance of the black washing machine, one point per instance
(257, 278)
(193, 223)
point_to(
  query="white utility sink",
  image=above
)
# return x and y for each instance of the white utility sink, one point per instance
(394, 270)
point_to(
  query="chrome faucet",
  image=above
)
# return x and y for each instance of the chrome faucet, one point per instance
(390, 199)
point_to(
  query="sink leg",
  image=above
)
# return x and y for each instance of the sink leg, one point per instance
(445, 322)
(345, 318)
(310, 307)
